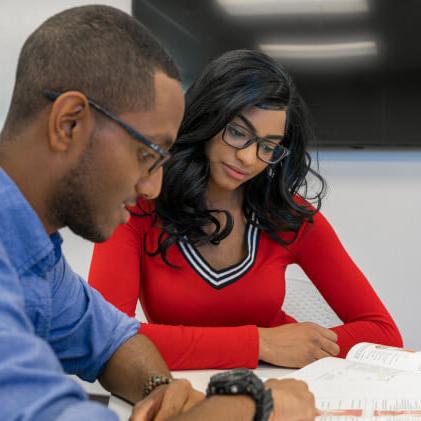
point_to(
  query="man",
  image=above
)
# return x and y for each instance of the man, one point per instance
(67, 161)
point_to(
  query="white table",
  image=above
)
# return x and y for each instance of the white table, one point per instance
(199, 379)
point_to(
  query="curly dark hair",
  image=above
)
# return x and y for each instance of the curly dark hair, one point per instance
(228, 85)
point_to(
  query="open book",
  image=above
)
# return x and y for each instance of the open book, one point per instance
(374, 381)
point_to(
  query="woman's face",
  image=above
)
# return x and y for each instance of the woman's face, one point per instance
(231, 167)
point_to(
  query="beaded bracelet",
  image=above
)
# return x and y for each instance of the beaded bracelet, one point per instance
(153, 382)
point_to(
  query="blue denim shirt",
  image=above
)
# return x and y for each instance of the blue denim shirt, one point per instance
(51, 322)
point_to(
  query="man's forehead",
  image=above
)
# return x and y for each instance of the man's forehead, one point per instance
(167, 88)
(160, 123)
(159, 128)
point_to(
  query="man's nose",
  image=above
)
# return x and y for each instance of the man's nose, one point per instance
(149, 187)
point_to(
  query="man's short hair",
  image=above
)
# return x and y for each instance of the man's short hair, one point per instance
(98, 50)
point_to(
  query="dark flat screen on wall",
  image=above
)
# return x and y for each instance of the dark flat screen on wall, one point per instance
(357, 63)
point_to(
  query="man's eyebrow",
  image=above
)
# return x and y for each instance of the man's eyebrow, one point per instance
(164, 141)
(250, 126)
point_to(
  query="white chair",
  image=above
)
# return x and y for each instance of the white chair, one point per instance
(305, 304)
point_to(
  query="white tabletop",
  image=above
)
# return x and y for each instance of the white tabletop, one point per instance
(199, 379)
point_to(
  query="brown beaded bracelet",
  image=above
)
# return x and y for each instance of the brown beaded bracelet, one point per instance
(153, 382)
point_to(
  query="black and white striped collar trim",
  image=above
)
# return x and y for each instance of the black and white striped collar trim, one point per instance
(221, 278)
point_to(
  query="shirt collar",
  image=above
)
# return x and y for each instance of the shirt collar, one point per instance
(21, 232)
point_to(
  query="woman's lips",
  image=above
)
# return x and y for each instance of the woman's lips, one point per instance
(234, 172)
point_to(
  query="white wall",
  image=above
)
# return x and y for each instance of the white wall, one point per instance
(374, 199)
(17, 20)
(374, 203)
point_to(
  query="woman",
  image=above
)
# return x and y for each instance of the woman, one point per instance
(208, 261)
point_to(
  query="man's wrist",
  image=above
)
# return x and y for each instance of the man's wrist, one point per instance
(242, 406)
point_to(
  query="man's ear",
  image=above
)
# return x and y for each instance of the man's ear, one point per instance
(69, 124)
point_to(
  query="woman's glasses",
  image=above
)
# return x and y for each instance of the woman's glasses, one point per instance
(239, 137)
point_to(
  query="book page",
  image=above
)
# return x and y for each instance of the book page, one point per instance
(386, 356)
(355, 389)
(374, 409)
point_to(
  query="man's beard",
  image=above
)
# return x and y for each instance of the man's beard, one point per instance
(71, 203)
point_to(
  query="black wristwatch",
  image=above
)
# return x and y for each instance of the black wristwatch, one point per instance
(242, 381)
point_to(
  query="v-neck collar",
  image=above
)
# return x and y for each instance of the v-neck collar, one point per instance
(221, 278)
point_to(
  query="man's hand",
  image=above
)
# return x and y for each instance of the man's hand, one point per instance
(292, 401)
(297, 344)
(167, 401)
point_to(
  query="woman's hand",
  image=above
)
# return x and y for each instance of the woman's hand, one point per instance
(292, 401)
(167, 401)
(297, 344)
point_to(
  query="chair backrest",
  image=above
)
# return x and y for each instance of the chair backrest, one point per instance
(305, 304)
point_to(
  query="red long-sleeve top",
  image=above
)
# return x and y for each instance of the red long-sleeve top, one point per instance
(204, 318)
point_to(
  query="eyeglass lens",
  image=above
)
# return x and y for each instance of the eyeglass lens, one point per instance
(268, 151)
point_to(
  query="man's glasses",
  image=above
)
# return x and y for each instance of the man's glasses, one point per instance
(240, 138)
(162, 155)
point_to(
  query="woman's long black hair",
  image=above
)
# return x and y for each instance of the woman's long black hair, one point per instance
(233, 82)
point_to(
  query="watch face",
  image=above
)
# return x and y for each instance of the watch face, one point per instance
(232, 375)
(245, 382)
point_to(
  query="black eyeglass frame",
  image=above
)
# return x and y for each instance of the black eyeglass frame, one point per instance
(164, 155)
(256, 139)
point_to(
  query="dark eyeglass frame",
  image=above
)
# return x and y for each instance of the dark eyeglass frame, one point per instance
(256, 139)
(164, 155)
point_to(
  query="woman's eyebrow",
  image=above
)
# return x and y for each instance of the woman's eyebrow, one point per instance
(275, 136)
(248, 123)
(250, 126)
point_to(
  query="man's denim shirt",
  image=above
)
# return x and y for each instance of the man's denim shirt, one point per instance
(51, 322)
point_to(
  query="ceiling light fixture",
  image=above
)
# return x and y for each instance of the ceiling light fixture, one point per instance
(293, 7)
(320, 51)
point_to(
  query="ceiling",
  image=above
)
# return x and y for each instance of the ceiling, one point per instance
(333, 36)
(353, 61)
